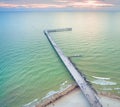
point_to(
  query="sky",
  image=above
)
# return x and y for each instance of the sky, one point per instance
(61, 4)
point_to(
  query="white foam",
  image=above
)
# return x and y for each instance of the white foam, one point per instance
(102, 78)
(63, 86)
(109, 89)
(51, 93)
(31, 104)
(116, 88)
(103, 82)
(64, 83)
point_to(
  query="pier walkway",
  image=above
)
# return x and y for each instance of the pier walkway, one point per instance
(85, 88)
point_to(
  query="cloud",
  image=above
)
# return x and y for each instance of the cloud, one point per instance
(5, 5)
(92, 4)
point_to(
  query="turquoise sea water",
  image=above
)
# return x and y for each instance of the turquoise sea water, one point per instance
(29, 67)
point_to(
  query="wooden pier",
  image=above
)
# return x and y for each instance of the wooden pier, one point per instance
(85, 88)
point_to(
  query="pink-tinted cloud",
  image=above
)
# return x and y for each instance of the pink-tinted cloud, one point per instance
(60, 4)
(91, 3)
(31, 5)
(8, 5)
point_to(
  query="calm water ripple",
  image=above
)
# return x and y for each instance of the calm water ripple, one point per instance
(29, 67)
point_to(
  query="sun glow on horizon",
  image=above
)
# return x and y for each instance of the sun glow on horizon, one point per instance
(91, 4)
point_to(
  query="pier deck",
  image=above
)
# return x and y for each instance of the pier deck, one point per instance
(85, 88)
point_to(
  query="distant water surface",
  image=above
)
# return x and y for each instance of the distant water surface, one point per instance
(29, 67)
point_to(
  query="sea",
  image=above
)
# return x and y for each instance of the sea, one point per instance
(30, 69)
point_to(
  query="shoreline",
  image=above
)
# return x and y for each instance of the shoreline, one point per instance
(57, 96)
(109, 95)
(51, 99)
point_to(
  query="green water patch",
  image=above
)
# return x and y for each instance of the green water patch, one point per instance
(29, 67)
(98, 55)
(101, 79)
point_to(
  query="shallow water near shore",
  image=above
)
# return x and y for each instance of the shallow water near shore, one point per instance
(29, 67)
(76, 98)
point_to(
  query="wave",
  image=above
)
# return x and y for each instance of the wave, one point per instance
(102, 78)
(64, 86)
(116, 88)
(32, 103)
(103, 82)
(107, 89)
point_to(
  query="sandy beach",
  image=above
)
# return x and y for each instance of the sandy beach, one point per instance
(76, 99)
